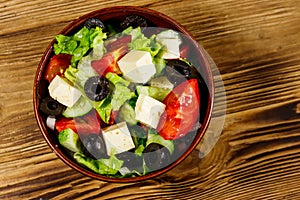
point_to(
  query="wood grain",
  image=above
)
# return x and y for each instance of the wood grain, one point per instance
(255, 154)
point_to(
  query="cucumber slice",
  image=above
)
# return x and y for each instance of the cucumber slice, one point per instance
(70, 140)
(154, 92)
(80, 108)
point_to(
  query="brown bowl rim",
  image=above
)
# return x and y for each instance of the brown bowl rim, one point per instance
(41, 68)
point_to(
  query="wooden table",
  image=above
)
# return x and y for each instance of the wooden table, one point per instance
(252, 152)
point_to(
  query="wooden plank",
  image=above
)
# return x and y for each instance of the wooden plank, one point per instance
(256, 46)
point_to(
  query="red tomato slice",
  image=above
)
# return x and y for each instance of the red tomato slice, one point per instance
(88, 124)
(57, 66)
(118, 43)
(182, 110)
(108, 63)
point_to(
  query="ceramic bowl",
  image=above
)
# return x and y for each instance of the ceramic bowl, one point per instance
(196, 54)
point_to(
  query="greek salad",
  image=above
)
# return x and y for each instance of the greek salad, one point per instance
(122, 99)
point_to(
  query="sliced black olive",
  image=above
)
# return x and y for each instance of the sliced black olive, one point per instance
(96, 88)
(131, 160)
(94, 146)
(93, 23)
(178, 71)
(50, 106)
(156, 156)
(134, 21)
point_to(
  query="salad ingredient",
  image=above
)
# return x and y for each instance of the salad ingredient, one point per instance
(70, 140)
(120, 95)
(182, 103)
(148, 110)
(80, 108)
(134, 21)
(178, 71)
(78, 44)
(127, 114)
(93, 23)
(154, 92)
(156, 156)
(57, 65)
(108, 63)
(50, 106)
(172, 41)
(161, 82)
(139, 136)
(116, 43)
(61, 90)
(137, 66)
(94, 146)
(130, 160)
(88, 124)
(117, 138)
(96, 88)
(109, 166)
(114, 79)
(50, 122)
(153, 137)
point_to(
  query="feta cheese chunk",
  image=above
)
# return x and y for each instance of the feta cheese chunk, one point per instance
(62, 91)
(117, 138)
(171, 40)
(162, 82)
(148, 110)
(137, 66)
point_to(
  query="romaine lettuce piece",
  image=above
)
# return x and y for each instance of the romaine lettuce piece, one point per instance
(120, 95)
(109, 166)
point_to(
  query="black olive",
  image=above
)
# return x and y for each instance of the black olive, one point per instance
(93, 23)
(96, 88)
(131, 160)
(94, 146)
(50, 106)
(134, 21)
(177, 70)
(156, 156)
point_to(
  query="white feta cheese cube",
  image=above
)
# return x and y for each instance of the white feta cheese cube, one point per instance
(117, 138)
(162, 82)
(148, 110)
(171, 40)
(137, 66)
(62, 91)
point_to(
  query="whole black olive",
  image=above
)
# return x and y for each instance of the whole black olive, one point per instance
(134, 21)
(50, 106)
(93, 23)
(131, 160)
(96, 88)
(94, 146)
(156, 156)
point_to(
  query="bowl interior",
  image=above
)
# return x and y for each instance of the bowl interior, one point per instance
(156, 19)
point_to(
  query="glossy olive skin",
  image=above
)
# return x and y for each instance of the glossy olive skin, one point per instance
(51, 107)
(96, 88)
(131, 161)
(94, 147)
(156, 156)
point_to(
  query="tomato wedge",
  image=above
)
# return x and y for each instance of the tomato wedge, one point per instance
(182, 110)
(88, 124)
(57, 66)
(115, 50)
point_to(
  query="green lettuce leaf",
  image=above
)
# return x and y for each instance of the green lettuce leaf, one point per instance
(109, 166)
(120, 95)
(79, 44)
